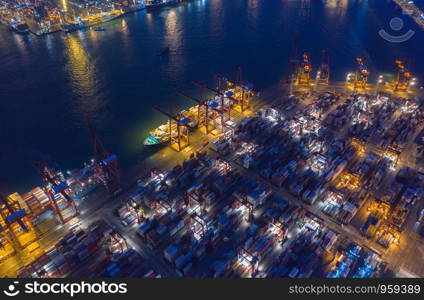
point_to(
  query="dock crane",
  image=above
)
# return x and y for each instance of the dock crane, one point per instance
(362, 74)
(403, 78)
(57, 189)
(117, 243)
(305, 69)
(5, 241)
(223, 110)
(243, 90)
(182, 128)
(216, 109)
(198, 225)
(246, 90)
(239, 75)
(251, 260)
(324, 69)
(106, 170)
(15, 220)
(293, 61)
(202, 111)
(248, 205)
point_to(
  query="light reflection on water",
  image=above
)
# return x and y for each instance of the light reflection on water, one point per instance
(86, 85)
(46, 83)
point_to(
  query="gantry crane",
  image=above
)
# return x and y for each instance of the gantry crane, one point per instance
(250, 260)
(216, 109)
(239, 75)
(305, 69)
(181, 138)
(362, 73)
(248, 205)
(293, 61)
(198, 225)
(403, 77)
(14, 221)
(107, 171)
(117, 243)
(242, 90)
(220, 109)
(6, 246)
(223, 83)
(58, 191)
(324, 69)
(202, 111)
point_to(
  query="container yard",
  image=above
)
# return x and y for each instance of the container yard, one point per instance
(105, 252)
(73, 249)
(319, 184)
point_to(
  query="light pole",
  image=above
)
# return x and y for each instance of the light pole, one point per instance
(348, 81)
(316, 80)
(412, 83)
(291, 84)
(379, 81)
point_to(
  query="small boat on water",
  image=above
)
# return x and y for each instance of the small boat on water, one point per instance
(99, 29)
(164, 51)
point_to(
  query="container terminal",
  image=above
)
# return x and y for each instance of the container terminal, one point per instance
(307, 179)
(409, 8)
(44, 17)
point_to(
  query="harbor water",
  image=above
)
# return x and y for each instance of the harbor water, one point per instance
(116, 75)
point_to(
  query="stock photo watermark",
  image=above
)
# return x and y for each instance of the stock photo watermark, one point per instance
(65, 288)
(396, 24)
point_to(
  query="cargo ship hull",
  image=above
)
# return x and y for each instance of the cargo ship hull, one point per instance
(161, 135)
(151, 141)
(161, 4)
(158, 5)
(67, 28)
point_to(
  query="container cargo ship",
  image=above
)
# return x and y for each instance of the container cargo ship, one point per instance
(156, 4)
(160, 135)
(103, 17)
(187, 118)
(92, 20)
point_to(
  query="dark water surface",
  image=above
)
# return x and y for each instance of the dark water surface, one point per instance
(46, 83)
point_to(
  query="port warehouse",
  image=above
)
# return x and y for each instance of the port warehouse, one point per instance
(258, 203)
